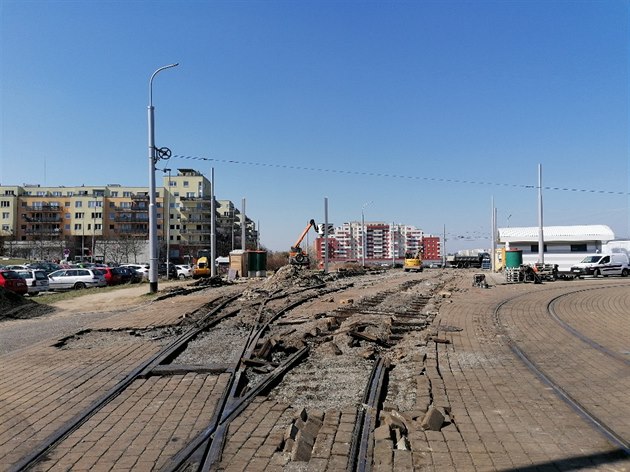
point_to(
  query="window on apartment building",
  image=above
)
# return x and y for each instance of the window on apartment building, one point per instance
(89, 226)
(67, 216)
(98, 226)
(66, 227)
(23, 227)
(97, 215)
(185, 183)
(114, 194)
(5, 215)
(9, 192)
(534, 248)
(41, 193)
(56, 193)
(190, 194)
(79, 215)
(179, 238)
(5, 204)
(125, 204)
(6, 228)
(78, 204)
(172, 183)
(112, 216)
(95, 203)
(69, 193)
(111, 226)
(127, 194)
(176, 194)
(77, 226)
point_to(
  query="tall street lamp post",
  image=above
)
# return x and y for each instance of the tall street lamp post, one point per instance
(154, 156)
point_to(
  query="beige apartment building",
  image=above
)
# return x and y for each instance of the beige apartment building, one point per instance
(113, 220)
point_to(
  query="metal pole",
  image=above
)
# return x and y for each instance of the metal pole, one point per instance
(325, 235)
(243, 228)
(153, 246)
(541, 239)
(167, 217)
(493, 226)
(213, 222)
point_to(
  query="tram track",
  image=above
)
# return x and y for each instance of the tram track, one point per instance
(262, 363)
(562, 391)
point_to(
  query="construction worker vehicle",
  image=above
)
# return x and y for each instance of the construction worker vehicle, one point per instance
(413, 262)
(297, 256)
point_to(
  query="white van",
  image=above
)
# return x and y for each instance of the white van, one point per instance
(603, 264)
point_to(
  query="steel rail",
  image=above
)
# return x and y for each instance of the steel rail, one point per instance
(592, 343)
(581, 410)
(359, 456)
(211, 439)
(142, 370)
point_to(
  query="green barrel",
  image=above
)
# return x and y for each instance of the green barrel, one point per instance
(513, 258)
(257, 263)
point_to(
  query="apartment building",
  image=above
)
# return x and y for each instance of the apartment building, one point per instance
(375, 242)
(75, 222)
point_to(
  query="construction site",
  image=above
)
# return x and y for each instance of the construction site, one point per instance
(302, 370)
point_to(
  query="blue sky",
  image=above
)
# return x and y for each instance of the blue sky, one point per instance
(399, 103)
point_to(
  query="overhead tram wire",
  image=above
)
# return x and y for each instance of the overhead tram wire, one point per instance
(394, 176)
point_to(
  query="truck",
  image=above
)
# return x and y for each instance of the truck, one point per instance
(466, 262)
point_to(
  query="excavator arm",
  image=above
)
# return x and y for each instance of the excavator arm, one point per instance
(310, 225)
(296, 255)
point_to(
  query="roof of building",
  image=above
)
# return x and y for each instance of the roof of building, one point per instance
(557, 233)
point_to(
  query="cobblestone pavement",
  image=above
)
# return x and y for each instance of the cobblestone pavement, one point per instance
(499, 414)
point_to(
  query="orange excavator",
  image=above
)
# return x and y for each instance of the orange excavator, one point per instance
(296, 255)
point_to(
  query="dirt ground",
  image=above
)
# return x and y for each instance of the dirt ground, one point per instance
(14, 306)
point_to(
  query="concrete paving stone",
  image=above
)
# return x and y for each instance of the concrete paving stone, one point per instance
(402, 460)
(343, 437)
(257, 464)
(342, 449)
(337, 463)
(317, 464)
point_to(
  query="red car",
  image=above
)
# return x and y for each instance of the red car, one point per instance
(11, 280)
(112, 276)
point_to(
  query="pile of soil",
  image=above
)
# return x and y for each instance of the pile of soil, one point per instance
(14, 306)
(291, 276)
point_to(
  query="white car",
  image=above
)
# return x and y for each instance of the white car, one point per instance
(76, 278)
(142, 269)
(184, 271)
(36, 280)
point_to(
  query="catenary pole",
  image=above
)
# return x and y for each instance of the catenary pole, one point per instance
(153, 246)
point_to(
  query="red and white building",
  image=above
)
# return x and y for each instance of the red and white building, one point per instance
(383, 243)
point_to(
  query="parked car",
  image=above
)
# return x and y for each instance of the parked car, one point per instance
(111, 274)
(603, 264)
(183, 271)
(128, 275)
(36, 281)
(16, 267)
(75, 278)
(172, 270)
(140, 268)
(47, 267)
(10, 280)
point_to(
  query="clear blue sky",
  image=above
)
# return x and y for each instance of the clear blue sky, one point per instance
(399, 103)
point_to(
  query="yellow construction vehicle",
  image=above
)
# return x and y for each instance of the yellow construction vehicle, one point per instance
(413, 262)
(296, 255)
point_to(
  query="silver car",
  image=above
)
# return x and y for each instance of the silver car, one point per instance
(36, 280)
(76, 278)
